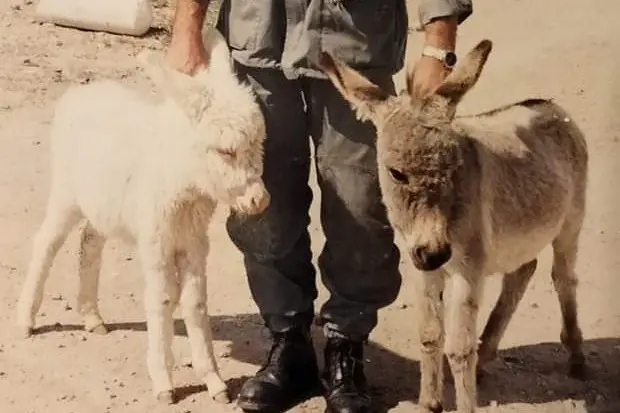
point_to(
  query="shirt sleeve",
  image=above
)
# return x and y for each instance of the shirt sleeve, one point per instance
(432, 9)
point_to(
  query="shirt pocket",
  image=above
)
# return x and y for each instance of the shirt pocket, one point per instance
(365, 32)
(242, 18)
(371, 16)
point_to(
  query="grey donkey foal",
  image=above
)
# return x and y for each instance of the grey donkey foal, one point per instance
(473, 196)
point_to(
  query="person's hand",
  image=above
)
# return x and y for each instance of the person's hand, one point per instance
(187, 55)
(428, 74)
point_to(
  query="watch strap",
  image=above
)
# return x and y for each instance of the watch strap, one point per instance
(437, 53)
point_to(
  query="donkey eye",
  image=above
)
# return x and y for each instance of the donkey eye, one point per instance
(227, 153)
(398, 176)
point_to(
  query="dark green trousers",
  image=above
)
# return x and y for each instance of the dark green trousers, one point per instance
(359, 262)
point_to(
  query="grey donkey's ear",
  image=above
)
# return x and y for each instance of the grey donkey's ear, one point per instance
(465, 74)
(364, 96)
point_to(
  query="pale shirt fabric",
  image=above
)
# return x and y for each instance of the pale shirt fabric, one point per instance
(369, 35)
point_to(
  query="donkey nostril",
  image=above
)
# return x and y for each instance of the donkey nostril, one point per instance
(420, 253)
(431, 259)
(438, 257)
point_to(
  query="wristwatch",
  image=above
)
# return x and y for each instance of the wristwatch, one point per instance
(447, 57)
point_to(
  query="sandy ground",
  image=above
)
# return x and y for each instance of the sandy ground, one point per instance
(556, 48)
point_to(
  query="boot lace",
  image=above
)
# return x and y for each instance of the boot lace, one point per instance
(346, 370)
(275, 352)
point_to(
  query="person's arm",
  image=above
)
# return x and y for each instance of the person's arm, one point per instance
(186, 52)
(440, 20)
(441, 33)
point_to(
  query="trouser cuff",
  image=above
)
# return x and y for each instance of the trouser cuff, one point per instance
(281, 323)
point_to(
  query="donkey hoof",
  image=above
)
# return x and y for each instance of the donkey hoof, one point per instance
(434, 406)
(100, 329)
(166, 397)
(578, 369)
(222, 397)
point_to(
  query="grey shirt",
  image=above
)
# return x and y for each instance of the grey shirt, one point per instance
(369, 35)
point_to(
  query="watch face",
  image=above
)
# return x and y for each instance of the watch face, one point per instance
(450, 59)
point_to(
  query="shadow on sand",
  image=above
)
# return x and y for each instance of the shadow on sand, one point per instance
(527, 374)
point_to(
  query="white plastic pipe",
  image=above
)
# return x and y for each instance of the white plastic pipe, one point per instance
(130, 17)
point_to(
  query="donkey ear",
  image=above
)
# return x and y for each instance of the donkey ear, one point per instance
(184, 90)
(368, 99)
(465, 74)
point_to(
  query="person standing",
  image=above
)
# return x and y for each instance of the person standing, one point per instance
(275, 45)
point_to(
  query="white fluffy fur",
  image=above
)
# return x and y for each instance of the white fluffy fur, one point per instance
(152, 172)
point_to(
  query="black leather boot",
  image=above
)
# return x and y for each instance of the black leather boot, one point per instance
(346, 390)
(288, 376)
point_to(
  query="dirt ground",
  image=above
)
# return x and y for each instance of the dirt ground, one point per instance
(555, 48)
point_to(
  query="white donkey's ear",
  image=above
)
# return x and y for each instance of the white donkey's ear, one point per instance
(220, 59)
(184, 90)
(153, 65)
(368, 99)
